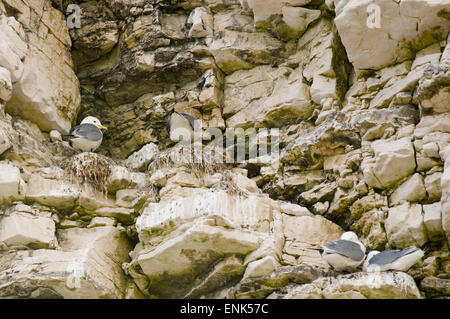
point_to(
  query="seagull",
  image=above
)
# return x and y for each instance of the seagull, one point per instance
(400, 260)
(345, 254)
(182, 126)
(87, 136)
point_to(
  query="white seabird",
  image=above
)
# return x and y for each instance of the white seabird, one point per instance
(345, 254)
(87, 136)
(400, 260)
(182, 127)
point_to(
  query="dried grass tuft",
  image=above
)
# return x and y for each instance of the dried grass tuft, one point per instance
(89, 169)
(203, 161)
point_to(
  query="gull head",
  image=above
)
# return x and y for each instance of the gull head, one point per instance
(93, 120)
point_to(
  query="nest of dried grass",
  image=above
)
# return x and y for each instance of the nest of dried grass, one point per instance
(89, 169)
(200, 161)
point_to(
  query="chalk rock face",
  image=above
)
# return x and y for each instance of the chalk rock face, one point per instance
(52, 192)
(190, 230)
(377, 285)
(391, 26)
(12, 186)
(88, 265)
(445, 199)
(143, 157)
(393, 161)
(412, 190)
(353, 109)
(287, 102)
(5, 85)
(405, 226)
(234, 50)
(22, 226)
(45, 88)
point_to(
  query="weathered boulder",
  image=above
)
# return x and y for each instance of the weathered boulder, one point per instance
(432, 218)
(434, 287)
(261, 267)
(22, 227)
(376, 285)
(304, 237)
(433, 93)
(88, 265)
(405, 227)
(445, 186)
(261, 287)
(412, 190)
(45, 88)
(288, 102)
(12, 186)
(52, 192)
(393, 160)
(190, 230)
(173, 266)
(5, 85)
(360, 26)
(243, 48)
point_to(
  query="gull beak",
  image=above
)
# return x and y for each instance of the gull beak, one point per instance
(102, 127)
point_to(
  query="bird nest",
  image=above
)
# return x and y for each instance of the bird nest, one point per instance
(200, 162)
(89, 169)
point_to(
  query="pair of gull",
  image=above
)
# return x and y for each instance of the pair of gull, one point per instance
(348, 253)
(88, 136)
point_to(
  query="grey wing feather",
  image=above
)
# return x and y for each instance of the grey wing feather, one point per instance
(89, 131)
(389, 256)
(345, 248)
(191, 119)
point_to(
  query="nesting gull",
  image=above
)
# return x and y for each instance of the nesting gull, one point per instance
(87, 136)
(400, 260)
(182, 126)
(345, 254)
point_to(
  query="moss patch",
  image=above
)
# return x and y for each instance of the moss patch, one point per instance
(444, 14)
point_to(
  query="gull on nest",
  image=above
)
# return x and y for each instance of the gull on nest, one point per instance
(87, 136)
(345, 254)
(400, 260)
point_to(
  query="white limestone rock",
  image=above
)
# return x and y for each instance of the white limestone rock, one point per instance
(235, 50)
(405, 226)
(445, 186)
(12, 186)
(20, 229)
(294, 209)
(361, 285)
(433, 186)
(101, 222)
(55, 136)
(188, 253)
(202, 23)
(412, 190)
(5, 85)
(393, 161)
(52, 192)
(288, 102)
(432, 123)
(182, 205)
(87, 265)
(432, 217)
(404, 21)
(264, 11)
(45, 88)
(261, 267)
(140, 159)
